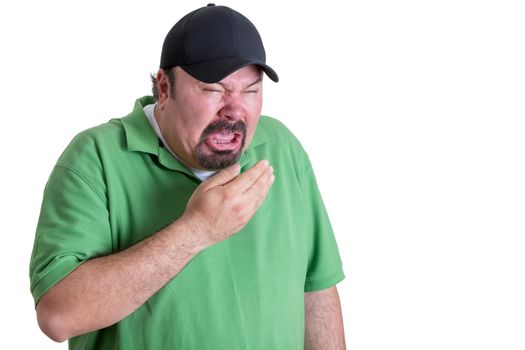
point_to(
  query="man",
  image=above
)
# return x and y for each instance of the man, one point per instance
(165, 229)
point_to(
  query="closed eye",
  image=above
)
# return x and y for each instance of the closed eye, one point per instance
(213, 90)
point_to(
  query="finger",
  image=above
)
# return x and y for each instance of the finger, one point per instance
(222, 177)
(256, 194)
(246, 180)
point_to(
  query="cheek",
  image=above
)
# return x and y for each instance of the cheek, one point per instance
(253, 106)
(189, 132)
(196, 119)
(256, 104)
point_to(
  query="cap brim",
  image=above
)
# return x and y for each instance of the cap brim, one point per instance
(216, 70)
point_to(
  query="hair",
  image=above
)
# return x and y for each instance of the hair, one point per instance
(170, 72)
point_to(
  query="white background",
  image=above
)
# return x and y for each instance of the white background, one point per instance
(413, 115)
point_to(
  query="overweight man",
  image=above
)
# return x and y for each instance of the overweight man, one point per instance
(193, 222)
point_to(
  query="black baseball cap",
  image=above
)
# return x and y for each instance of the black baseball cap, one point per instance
(212, 42)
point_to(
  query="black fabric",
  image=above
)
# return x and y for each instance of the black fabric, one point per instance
(212, 42)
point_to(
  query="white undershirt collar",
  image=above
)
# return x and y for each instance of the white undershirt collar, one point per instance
(149, 110)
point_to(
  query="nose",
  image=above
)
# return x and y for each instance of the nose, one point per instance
(233, 108)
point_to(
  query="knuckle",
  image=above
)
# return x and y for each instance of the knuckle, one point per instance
(238, 209)
(227, 195)
(243, 215)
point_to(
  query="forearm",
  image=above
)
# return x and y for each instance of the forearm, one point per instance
(323, 321)
(104, 290)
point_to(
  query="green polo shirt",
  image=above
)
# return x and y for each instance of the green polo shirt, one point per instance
(115, 184)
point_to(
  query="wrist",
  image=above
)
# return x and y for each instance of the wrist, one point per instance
(193, 236)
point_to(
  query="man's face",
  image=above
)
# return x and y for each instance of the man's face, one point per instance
(209, 125)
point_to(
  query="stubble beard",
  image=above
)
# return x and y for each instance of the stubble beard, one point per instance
(217, 160)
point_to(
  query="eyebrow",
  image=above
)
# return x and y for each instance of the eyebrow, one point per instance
(255, 82)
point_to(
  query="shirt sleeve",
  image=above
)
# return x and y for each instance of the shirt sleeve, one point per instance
(324, 262)
(73, 227)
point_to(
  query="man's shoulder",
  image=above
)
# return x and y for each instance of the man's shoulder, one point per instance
(105, 132)
(90, 144)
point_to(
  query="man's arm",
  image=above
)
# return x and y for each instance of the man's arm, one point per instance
(104, 290)
(323, 321)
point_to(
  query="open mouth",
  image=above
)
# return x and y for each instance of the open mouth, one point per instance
(224, 141)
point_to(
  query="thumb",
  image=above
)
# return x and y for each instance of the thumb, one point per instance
(223, 177)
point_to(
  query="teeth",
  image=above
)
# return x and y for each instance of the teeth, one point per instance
(222, 142)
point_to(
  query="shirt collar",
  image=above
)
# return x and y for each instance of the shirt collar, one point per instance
(140, 137)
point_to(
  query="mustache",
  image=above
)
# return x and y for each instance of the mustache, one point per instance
(224, 125)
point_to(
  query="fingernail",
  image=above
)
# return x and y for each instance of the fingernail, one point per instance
(272, 178)
(271, 169)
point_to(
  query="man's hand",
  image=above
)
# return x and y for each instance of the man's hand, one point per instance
(223, 204)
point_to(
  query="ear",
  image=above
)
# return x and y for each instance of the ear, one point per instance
(163, 87)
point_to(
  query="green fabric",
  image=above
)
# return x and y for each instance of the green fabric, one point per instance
(115, 185)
